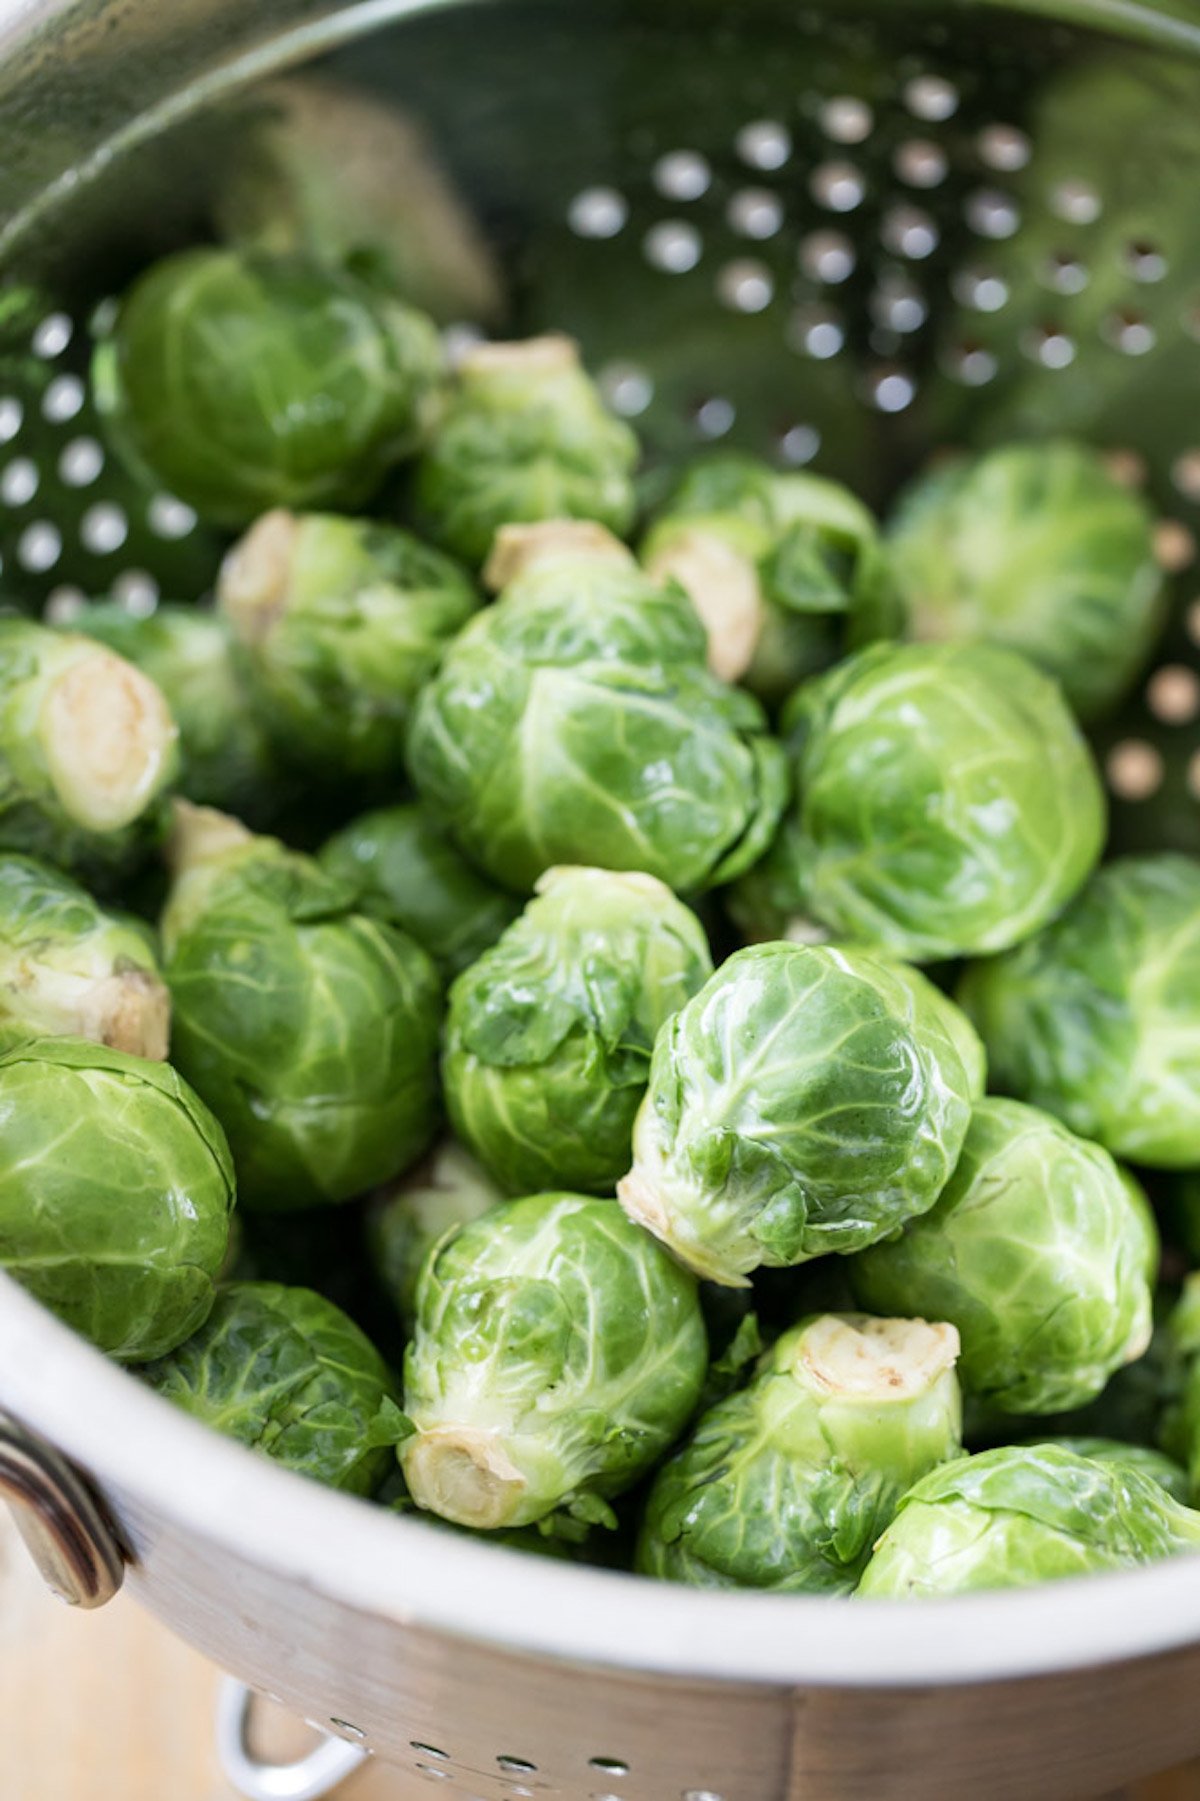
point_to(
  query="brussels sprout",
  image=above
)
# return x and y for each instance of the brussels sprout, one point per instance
(574, 722)
(340, 622)
(945, 803)
(249, 381)
(1098, 1019)
(285, 1372)
(445, 1191)
(549, 1034)
(1023, 1514)
(87, 747)
(1156, 1464)
(309, 1028)
(1038, 1250)
(558, 1352)
(408, 872)
(115, 1193)
(70, 970)
(525, 437)
(226, 758)
(807, 1100)
(788, 1484)
(774, 564)
(1038, 547)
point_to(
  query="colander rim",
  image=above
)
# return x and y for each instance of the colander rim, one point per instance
(134, 1444)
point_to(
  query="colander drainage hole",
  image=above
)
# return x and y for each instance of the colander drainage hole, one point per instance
(427, 1750)
(611, 1766)
(516, 1766)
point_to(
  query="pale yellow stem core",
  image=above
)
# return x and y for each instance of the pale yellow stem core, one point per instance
(131, 1011)
(876, 1359)
(255, 582)
(108, 734)
(723, 587)
(201, 835)
(643, 1204)
(516, 548)
(551, 354)
(463, 1475)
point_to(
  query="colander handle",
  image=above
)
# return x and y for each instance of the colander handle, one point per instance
(60, 1520)
(309, 1778)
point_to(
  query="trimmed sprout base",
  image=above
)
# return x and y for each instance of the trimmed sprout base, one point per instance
(787, 1484)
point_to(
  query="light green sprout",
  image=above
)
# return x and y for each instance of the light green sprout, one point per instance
(549, 1034)
(525, 437)
(574, 722)
(776, 565)
(808, 1099)
(1038, 547)
(1098, 1018)
(787, 1484)
(309, 1028)
(87, 750)
(1042, 1253)
(116, 1188)
(558, 1353)
(1024, 1514)
(69, 969)
(407, 871)
(945, 804)
(245, 381)
(340, 622)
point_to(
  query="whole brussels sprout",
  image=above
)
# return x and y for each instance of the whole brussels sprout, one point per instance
(774, 564)
(115, 1193)
(946, 804)
(226, 758)
(1038, 547)
(558, 1352)
(309, 1028)
(808, 1099)
(408, 872)
(340, 622)
(574, 722)
(406, 1220)
(1156, 1464)
(246, 381)
(1098, 1018)
(525, 437)
(285, 1372)
(1023, 1514)
(70, 970)
(87, 748)
(1039, 1250)
(788, 1484)
(549, 1034)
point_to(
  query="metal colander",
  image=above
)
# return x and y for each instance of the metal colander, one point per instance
(847, 236)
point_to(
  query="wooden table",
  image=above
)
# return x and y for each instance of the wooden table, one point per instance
(107, 1706)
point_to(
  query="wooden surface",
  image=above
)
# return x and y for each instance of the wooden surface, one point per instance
(107, 1706)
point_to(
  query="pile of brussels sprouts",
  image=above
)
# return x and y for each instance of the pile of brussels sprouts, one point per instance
(648, 978)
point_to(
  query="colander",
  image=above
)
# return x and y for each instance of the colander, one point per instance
(845, 235)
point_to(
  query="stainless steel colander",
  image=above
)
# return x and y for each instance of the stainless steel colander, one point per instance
(846, 235)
